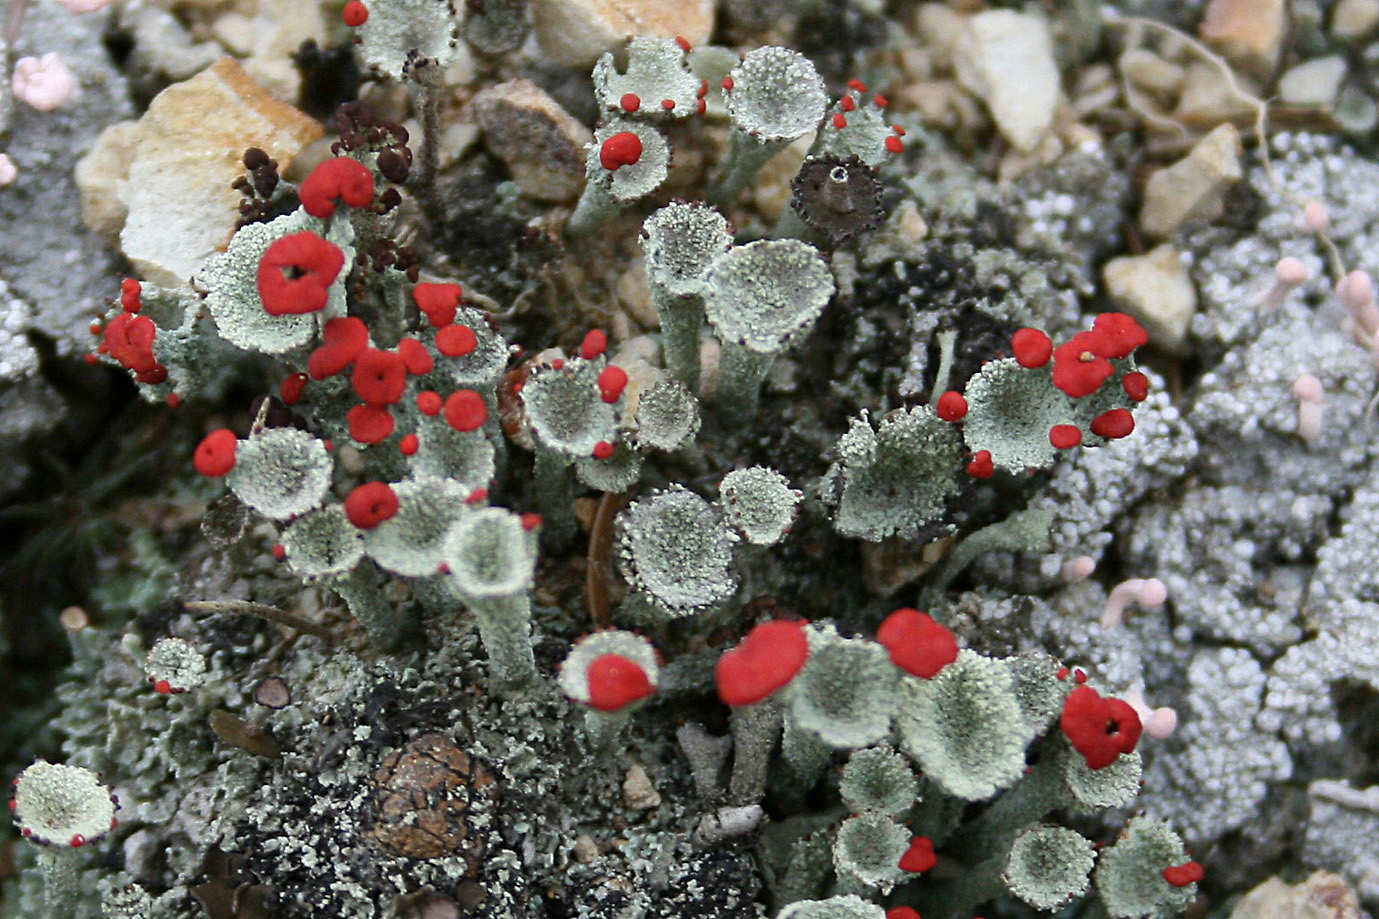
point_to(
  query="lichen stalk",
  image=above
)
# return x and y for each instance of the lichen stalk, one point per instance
(427, 81)
(741, 372)
(62, 891)
(555, 496)
(746, 155)
(361, 592)
(682, 324)
(595, 206)
(505, 631)
(755, 731)
(601, 729)
(805, 757)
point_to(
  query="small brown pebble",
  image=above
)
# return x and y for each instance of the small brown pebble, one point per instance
(273, 693)
(440, 908)
(585, 849)
(637, 791)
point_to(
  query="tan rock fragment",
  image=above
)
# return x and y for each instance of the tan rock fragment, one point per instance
(573, 33)
(1322, 896)
(541, 143)
(1150, 72)
(1193, 187)
(637, 791)
(170, 172)
(99, 174)
(1248, 32)
(1314, 83)
(1206, 98)
(1155, 289)
(634, 295)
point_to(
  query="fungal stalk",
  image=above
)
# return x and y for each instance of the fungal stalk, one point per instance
(1147, 593)
(1308, 390)
(1289, 274)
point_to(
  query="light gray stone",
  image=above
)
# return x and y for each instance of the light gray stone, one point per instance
(1006, 59)
(1313, 84)
(57, 271)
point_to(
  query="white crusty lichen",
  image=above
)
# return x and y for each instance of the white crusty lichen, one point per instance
(491, 555)
(774, 96)
(399, 32)
(666, 417)
(1130, 873)
(878, 779)
(868, 848)
(759, 503)
(1011, 409)
(894, 479)
(679, 242)
(175, 665)
(564, 407)
(846, 693)
(322, 543)
(761, 298)
(611, 673)
(1049, 866)
(626, 160)
(281, 472)
(657, 73)
(61, 808)
(847, 906)
(965, 728)
(676, 553)
(412, 541)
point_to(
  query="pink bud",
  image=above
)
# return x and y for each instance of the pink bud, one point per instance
(1315, 217)
(43, 83)
(1290, 271)
(1079, 568)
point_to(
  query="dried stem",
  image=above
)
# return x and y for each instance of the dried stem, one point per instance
(598, 571)
(263, 611)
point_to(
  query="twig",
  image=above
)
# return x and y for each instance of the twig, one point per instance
(598, 574)
(263, 611)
